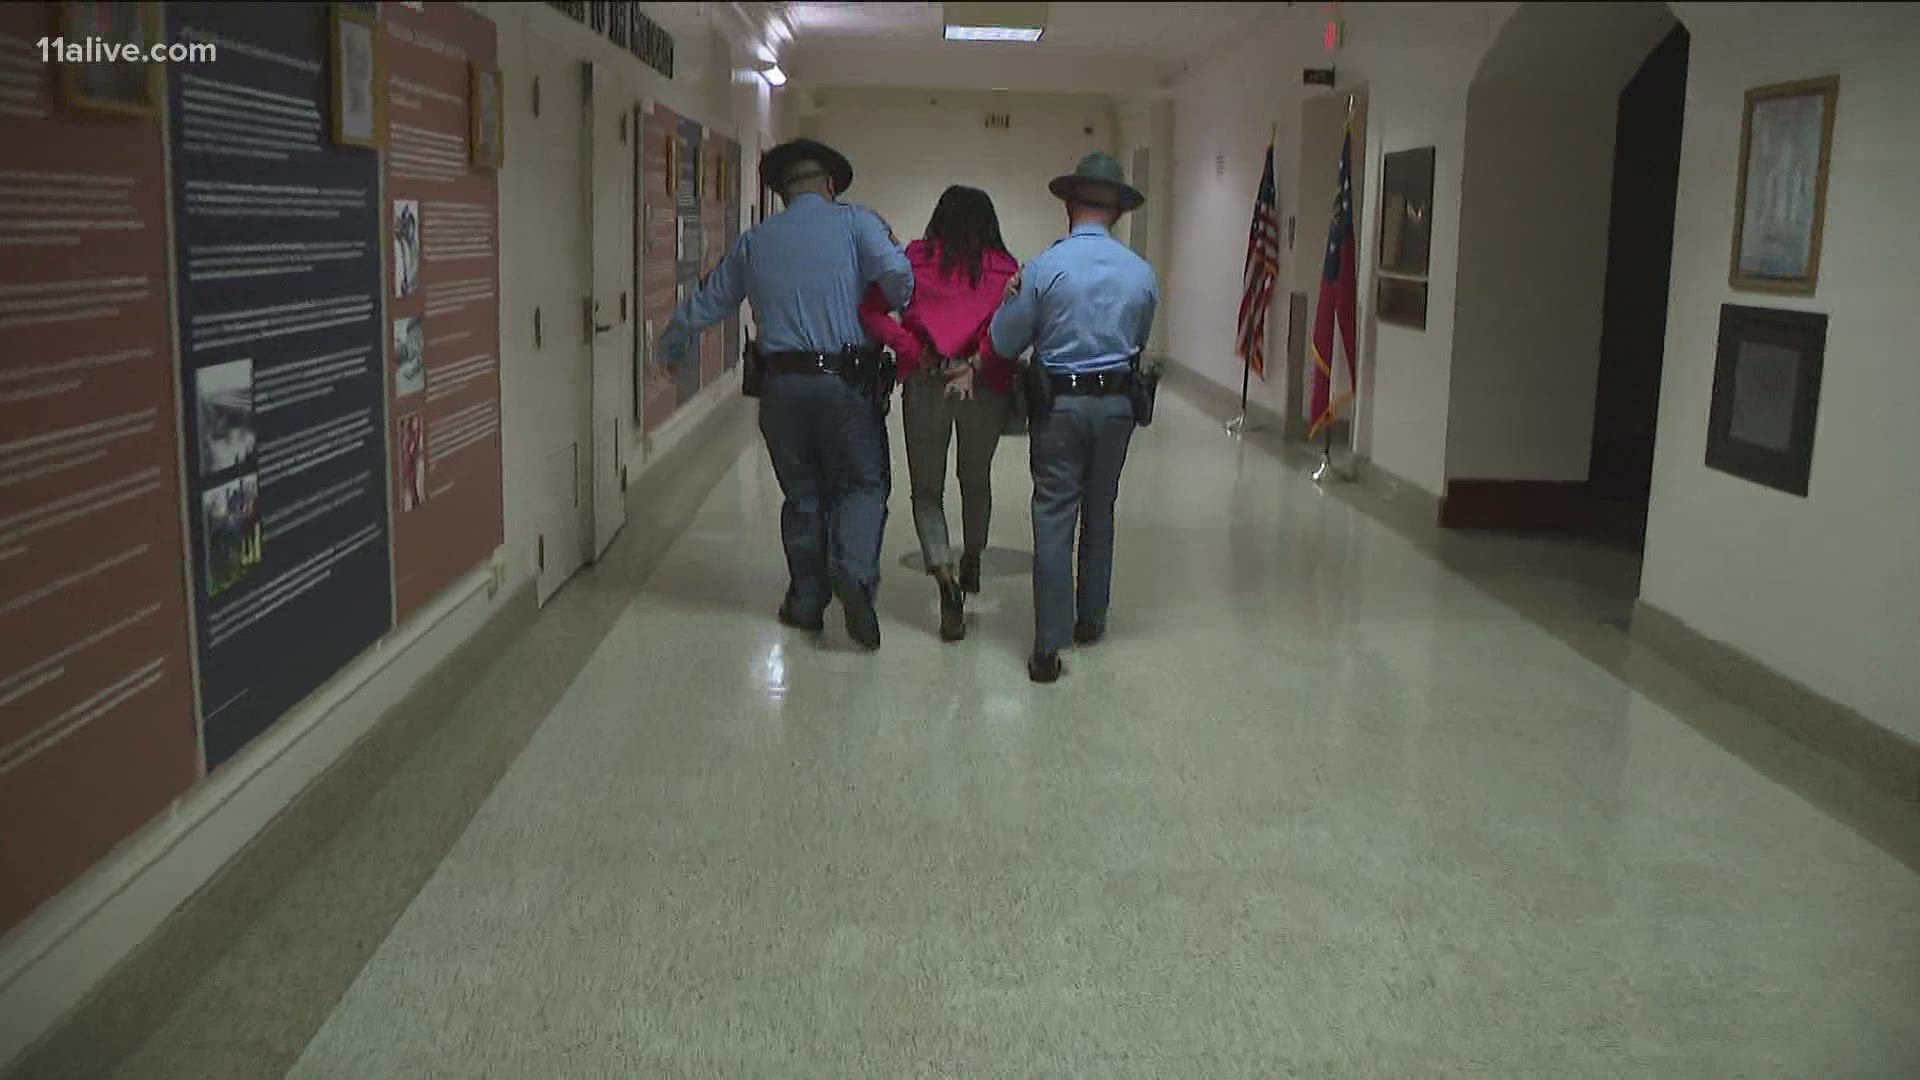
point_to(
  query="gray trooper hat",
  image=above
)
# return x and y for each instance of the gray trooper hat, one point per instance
(1098, 181)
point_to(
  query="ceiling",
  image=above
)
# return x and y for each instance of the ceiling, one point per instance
(1157, 36)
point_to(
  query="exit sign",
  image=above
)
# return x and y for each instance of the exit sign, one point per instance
(1330, 37)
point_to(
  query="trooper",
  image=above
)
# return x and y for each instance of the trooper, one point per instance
(1086, 306)
(823, 385)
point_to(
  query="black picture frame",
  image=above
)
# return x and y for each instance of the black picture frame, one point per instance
(1401, 302)
(1406, 212)
(1766, 395)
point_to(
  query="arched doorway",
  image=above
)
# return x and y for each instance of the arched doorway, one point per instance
(1566, 232)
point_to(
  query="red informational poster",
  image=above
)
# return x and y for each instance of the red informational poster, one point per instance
(713, 186)
(444, 138)
(97, 728)
(664, 237)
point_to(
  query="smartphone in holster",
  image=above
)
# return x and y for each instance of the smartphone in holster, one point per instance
(1142, 388)
(753, 371)
(1039, 387)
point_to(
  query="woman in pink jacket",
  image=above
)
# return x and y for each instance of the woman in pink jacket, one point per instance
(953, 383)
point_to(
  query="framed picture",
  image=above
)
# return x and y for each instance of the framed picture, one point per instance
(487, 141)
(1406, 212)
(358, 96)
(1785, 137)
(1766, 395)
(114, 85)
(1401, 301)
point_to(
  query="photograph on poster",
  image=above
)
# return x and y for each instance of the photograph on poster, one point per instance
(356, 77)
(413, 461)
(224, 398)
(406, 247)
(232, 513)
(111, 85)
(409, 355)
(487, 139)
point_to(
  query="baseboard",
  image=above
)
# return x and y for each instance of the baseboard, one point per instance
(689, 421)
(1519, 505)
(51, 962)
(162, 911)
(1413, 503)
(1885, 758)
(1219, 400)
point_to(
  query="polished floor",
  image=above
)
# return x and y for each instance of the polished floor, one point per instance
(1330, 801)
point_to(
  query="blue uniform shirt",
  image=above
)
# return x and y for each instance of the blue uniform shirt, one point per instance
(1085, 304)
(805, 270)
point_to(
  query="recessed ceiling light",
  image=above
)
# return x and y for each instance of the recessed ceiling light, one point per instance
(994, 33)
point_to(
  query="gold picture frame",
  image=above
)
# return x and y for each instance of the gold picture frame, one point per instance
(1779, 213)
(486, 117)
(356, 77)
(109, 86)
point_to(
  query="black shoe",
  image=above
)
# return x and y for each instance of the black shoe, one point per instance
(1086, 633)
(814, 625)
(1045, 669)
(970, 572)
(863, 623)
(953, 615)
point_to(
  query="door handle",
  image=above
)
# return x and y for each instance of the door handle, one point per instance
(601, 328)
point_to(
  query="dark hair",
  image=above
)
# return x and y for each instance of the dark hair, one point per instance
(966, 228)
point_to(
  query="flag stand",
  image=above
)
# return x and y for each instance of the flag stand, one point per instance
(1239, 426)
(1325, 473)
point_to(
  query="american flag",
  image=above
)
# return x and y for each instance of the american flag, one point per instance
(1263, 265)
(1333, 375)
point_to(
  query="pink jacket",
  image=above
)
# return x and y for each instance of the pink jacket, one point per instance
(949, 311)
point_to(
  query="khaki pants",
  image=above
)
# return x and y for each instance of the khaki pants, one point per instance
(931, 420)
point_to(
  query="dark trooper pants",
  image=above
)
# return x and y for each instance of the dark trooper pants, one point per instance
(830, 454)
(1076, 453)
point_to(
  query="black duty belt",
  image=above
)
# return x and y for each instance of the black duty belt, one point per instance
(1115, 381)
(804, 363)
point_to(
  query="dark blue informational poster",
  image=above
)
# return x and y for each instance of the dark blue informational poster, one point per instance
(690, 246)
(276, 200)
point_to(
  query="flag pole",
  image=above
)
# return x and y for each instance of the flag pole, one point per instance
(1238, 426)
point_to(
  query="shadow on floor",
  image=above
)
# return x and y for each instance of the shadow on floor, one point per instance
(995, 562)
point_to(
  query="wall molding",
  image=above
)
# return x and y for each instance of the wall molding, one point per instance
(96, 995)
(52, 960)
(1882, 756)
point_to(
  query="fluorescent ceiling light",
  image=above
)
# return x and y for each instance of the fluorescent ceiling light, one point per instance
(774, 76)
(994, 22)
(994, 33)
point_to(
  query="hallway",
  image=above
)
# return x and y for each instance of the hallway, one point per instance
(1320, 807)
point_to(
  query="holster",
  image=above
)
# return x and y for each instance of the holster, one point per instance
(872, 371)
(753, 370)
(1142, 389)
(1033, 376)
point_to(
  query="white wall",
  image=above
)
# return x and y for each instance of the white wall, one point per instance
(1146, 122)
(1532, 269)
(1536, 202)
(1416, 61)
(1224, 111)
(51, 961)
(908, 145)
(1825, 589)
